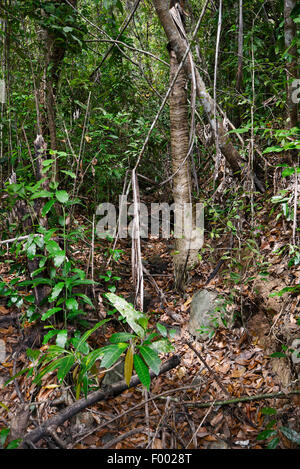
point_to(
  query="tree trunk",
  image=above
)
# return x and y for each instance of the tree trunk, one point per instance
(178, 45)
(54, 52)
(290, 32)
(179, 129)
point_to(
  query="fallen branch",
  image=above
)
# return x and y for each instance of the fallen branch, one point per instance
(114, 390)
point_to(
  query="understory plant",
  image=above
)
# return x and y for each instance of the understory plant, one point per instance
(73, 358)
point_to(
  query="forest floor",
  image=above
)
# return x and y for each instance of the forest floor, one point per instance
(182, 408)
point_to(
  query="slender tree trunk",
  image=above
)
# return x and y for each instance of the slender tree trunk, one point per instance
(239, 74)
(290, 32)
(54, 53)
(179, 129)
(178, 45)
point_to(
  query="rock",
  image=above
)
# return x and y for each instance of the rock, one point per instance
(204, 318)
(114, 375)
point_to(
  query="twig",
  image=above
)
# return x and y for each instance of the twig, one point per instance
(258, 397)
(123, 437)
(18, 238)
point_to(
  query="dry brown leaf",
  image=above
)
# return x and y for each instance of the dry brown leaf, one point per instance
(217, 419)
(238, 372)
(157, 444)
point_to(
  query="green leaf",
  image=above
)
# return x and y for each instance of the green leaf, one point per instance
(268, 411)
(266, 434)
(14, 444)
(69, 173)
(31, 251)
(53, 247)
(71, 304)
(89, 332)
(288, 172)
(20, 373)
(62, 196)
(85, 298)
(56, 290)
(59, 259)
(128, 312)
(50, 313)
(278, 355)
(92, 357)
(151, 358)
(162, 329)
(47, 207)
(41, 194)
(49, 335)
(162, 346)
(112, 353)
(3, 435)
(121, 337)
(142, 371)
(65, 366)
(61, 338)
(47, 369)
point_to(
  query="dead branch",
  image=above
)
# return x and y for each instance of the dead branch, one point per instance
(114, 390)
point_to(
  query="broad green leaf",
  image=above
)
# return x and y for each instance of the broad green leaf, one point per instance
(41, 194)
(162, 346)
(151, 358)
(121, 337)
(112, 353)
(31, 251)
(61, 338)
(39, 241)
(71, 304)
(128, 312)
(47, 207)
(59, 259)
(56, 290)
(142, 371)
(50, 313)
(128, 365)
(53, 247)
(278, 355)
(62, 196)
